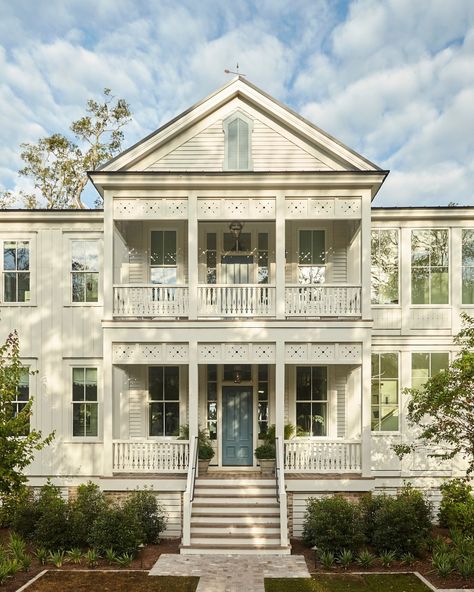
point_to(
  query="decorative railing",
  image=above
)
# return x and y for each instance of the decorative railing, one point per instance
(322, 456)
(150, 300)
(322, 301)
(244, 300)
(147, 456)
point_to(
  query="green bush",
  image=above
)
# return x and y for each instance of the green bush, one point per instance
(150, 514)
(83, 511)
(24, 512)
(457, 506)
(118, 529)
(401, 524)
(333, 524)
(51, 529)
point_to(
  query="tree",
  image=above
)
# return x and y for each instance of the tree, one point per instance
(443, 409)
(18, 442)
(58, 166)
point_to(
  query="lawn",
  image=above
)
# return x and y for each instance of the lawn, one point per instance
(348, 583)
(82, 581)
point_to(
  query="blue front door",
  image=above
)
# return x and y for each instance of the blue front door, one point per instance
(237, 426)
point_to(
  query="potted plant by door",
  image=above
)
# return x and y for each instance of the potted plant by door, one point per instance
(205, 455)
(266, 455)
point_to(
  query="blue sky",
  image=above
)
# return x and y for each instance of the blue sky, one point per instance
(393, 79)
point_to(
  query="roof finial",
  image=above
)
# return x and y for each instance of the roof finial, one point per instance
(237, 73)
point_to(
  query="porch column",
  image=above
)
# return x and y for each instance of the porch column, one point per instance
(365, 394)
(365, 275)
(108, 270)
(107, 407)
(192, 257)
(193, 386)
(280, 390)
(280, 256)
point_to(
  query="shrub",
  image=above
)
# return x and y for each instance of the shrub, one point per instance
(124, 560)
(327, 559)
(443, 563)
(51, 529)
(92, 558)
(149, 513)
(74, 555)
(57, 558)
(457, 506)
(333, 524)
(83, 511)
(345, 558)
(118, 529)
(387, 558)
(365, 558)
(24, 512)
(402, 524)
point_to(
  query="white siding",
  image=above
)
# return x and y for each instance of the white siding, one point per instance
(339, 255)
(137, 406)
(171, 502)
(340, 381)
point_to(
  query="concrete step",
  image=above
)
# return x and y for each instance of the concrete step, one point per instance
(226, 529)
(236, 491)
(235, 540)
(237, 519)
(229, 510)
(231, 500)
(235, 482)
(235, 550)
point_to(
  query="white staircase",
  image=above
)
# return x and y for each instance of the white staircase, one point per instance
(236, 515)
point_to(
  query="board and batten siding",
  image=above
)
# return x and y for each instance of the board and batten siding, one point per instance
(340, 382)
(271, 151)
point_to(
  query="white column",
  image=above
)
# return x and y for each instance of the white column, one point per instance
(365, 228)
(280, 260)
(108, 259)
(366, 385)
(193, 386)
(192, 256)
(107, 406)
(280, 389)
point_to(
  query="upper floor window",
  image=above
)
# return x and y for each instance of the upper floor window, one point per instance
(468, 266)
(85, 404)
(163, 402)
(312, 257)
(163, 257)
(385, 409)
(385, 265)
(429, 267)
(312, 400)
(238, 130)
(426, 365)
(85, 270)
(16, 271)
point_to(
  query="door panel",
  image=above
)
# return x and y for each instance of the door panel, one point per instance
(237, 426)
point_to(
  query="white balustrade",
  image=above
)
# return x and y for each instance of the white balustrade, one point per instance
(148, 456)
(322, 456)
(322, 301)
(244, 300)
(150, 300)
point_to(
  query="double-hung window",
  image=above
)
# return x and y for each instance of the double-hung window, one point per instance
(468, 266)
(385, 407)
(425, 365)
(85, 270)
(22, 395)
(163, 257)
(163, 400)
(312, 400)
(384, 266)
(85, 404)
(311, 257)
(429, 267)
(16, 271)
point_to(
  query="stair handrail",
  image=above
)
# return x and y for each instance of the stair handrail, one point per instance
(188, 496)
(281, 491)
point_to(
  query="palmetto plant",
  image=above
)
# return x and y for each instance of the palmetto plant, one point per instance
(56, 558)
(365, 558)
(74, 555)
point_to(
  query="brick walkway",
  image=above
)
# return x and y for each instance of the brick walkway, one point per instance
(231, 573)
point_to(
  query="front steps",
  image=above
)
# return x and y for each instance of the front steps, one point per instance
(240, 516)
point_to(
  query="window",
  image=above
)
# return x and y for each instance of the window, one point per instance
(211, 258)
(237, 130)
(312, 400)
(311, 257)
(262, 404)
(163, 394)
(468, 266)
(385, 265)
(426, 365)
(85, 405)
(385, 410)
(85, 270)
(163, 257)
(212, 401)
(429, 267)
(22, 394)
(237, 374)
(16, 271)
(262, 258)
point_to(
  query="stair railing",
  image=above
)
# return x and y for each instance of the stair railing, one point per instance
(281, 492)
(188, 496)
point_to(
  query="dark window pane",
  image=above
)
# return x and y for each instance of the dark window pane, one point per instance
(303, 417)
(171, 419)
(230, 370)
(263, 241)
(319, 419)
(263, 391)
(23, 287)
(157, 251)
(211, 241)
(319, 386)
(91, 411)
(10, 287)
(212, 411)
(156, 419)
(305, 252)
(78, 419)
(212, 373)
(212, 427)
(263, 372)
(78, 287)
(212, 391)
(155, 383)
(172, 383)
(319, 248)
(303, 383)
(169, 247)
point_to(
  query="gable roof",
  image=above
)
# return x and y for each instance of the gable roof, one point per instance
(242, 88)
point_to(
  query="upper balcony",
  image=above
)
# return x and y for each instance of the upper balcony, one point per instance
(237, 274)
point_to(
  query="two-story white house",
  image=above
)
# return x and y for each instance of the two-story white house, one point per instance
(237, 277)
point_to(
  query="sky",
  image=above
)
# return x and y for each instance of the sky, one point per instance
(393, 79)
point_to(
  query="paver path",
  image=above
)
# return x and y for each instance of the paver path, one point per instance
(231, 573)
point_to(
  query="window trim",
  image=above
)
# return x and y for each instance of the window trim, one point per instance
(72, 272)
(464, 304)
(180, 262)
(326, 266)
(328, 401)
(87, 236)
(399, 397)
(449, 266)
(83, 363)
(148, 436)
(429, 353)
(399, 236)
(9, 236)
(225, 126)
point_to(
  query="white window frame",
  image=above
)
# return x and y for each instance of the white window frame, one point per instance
(68, 239)
(465, 304)
(429, 353)
(382, 433)
(181, 401)
(83, 363)
(225, 125)
(449, 266)
(180, 263)
(326, 255)
(399, 304)
(329, 401)
(19, 237)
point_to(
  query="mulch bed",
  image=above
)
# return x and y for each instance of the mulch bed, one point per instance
(423, 567)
